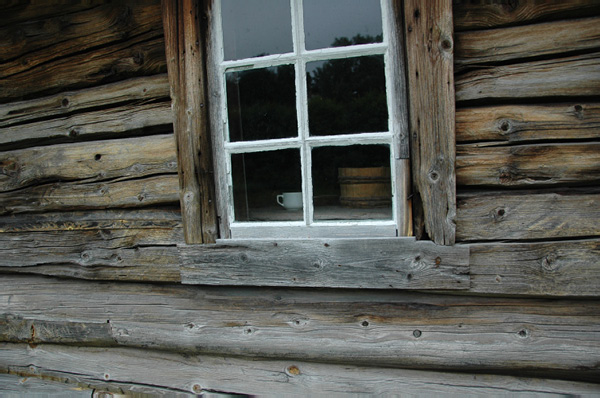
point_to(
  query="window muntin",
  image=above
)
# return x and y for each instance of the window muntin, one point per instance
(237, 144)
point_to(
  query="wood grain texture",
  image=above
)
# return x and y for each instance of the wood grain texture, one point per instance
(139, 89)
(525, 123)
(15, 11)
(568, 268)
(489, 14)
(187, 76)
(528, 165)
(379, 328)
(347, 263)
(522, 42)
(87, 161)
(124, 121)
(528, 215)
(158, 190)
(139, 56)
(14, 385)
(429, 48)
(559, 77)
(88, 367)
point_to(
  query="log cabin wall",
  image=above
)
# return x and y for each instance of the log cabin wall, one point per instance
(89, 214)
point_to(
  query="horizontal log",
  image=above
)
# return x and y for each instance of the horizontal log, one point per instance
(42, 41)
(488, 14)
(527, 215)
(15, 11)
(128, 120)
(143, 192)
(380, 328)
(15, 385)
(140, 89)
(397, 263)
(567, 268)
(147, 370)
(562, 77)
(523, 123)
(522, 42)
(526, 165)
(88, 161)
(138, 56)
(168, 218)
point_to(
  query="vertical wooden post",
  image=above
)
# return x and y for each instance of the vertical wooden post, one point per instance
(429, 48)
(187, 78)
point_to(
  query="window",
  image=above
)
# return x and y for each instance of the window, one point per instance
(308, 113)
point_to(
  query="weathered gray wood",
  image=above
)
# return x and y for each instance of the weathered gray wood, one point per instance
(527, 215)
(88, 161)
(521, 42)
(140, 89)
(127, 120)
(395, 263)
(119, 254)
(12, 385)
(138, 56)
(206, 374)
(413, 330)
(561, 77)
(429, 49)
(141, 192)
(187, 76)
(159, 219)
(526, 165)
(38, 42)
(488, 14)
(522, 123)
(567, 268)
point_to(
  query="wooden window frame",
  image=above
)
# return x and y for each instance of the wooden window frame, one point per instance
(430, 260)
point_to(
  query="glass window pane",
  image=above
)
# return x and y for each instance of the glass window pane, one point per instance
(352, 183)
(258, 179)
(261, 104)
(335, 23)
(254, 28)
(347, 96)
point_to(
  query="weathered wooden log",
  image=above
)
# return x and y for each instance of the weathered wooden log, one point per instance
(522, 42)
(528, 215)
(161, 218)
(527, 165)
(138, 56)
(106, 369)
(523, 123)
(88, 161)
(42, 41)
(15, 11)
(141, 89)
(356, 263)
(488, 14)
(363, 327)
(129, 120)
(562, 77)
(155, 190)
(429, 49)
(568, 268)
(18, 385)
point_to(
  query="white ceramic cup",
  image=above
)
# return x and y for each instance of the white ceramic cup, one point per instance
(290, 200)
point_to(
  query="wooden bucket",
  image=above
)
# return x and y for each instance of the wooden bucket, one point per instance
(364, 187)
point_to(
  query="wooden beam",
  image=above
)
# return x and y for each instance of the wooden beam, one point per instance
(148, 372)
(429, 48)
(525, 123)
(381, 328)
(396, 263)
(558, 77)
(522, 42)
(483, 14)
(568, 268)
(140, 89)
(187, 77)
(528, 215)
(528, 165)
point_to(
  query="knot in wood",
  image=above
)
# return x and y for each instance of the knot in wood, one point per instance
(292, 370)
(549, 263)
(499, 213)
(505, 176)
(197, 388)
(504, 127)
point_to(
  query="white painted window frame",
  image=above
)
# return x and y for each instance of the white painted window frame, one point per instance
(399, 225)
